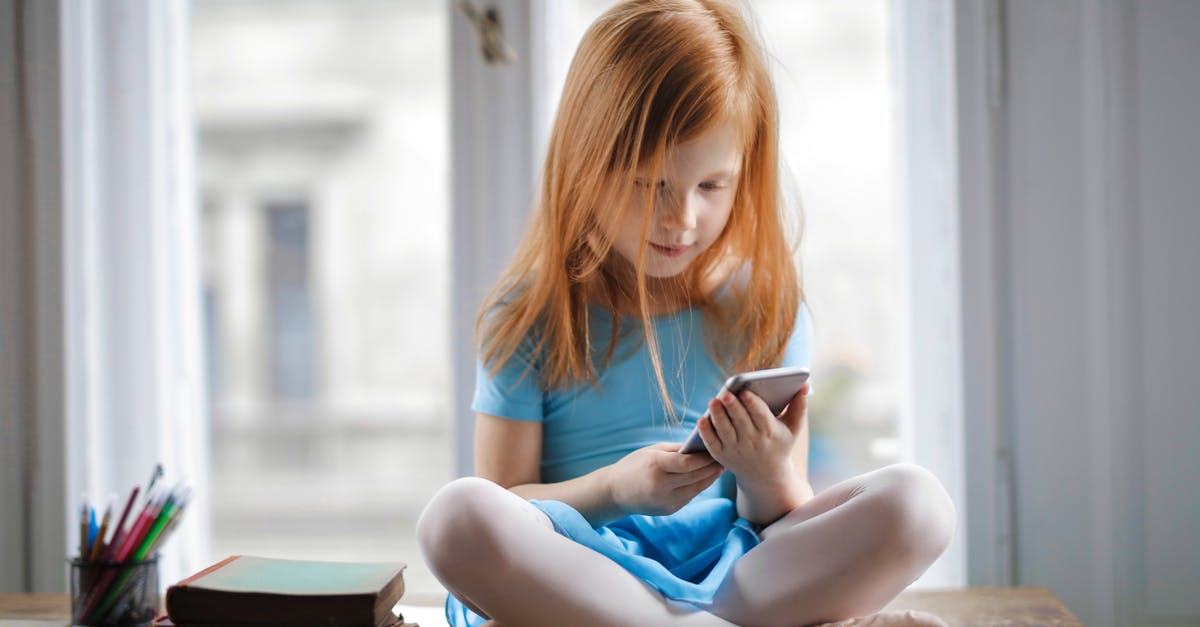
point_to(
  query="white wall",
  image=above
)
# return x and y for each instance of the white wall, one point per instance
(1089, 182)
(1165, 220)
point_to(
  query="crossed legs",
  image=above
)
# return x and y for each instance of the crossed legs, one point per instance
(846, 552)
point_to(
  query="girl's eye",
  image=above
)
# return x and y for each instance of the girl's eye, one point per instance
(660, 187)
(709, 186)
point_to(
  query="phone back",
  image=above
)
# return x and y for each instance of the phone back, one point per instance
(775, 388)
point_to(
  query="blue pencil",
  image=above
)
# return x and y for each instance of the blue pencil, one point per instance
(93, 528)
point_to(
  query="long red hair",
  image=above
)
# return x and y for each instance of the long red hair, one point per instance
(648, 75)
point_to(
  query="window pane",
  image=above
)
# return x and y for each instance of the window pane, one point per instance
(323, 132)
(831, 69)
(835, 99)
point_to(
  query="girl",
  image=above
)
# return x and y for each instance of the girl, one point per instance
(655, 267)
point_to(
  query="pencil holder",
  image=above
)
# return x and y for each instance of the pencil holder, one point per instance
(114, 594)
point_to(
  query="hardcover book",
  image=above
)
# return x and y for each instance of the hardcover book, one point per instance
(261, 591)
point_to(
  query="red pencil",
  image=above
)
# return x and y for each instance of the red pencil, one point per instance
(149, 512)
(119, 531)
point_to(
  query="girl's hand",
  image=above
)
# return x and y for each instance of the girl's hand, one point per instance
(743, 436)
(657, 480)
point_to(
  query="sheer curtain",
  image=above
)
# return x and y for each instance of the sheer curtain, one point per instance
(109, 381)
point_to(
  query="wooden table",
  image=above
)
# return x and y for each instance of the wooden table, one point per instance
(989, 606)
(959, 607)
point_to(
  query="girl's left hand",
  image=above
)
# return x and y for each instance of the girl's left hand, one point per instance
(743, 435)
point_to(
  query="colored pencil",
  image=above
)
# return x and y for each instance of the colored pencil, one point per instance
(98, 543)
(83, 528)
(133, 537)
(119, 531)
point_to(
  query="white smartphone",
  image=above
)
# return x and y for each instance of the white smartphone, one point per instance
(776, 386)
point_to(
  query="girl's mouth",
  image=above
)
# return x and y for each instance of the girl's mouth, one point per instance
(669, 251)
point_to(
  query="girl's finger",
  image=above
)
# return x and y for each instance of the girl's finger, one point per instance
(708, 435)
(700, 474)
(793, 416)
(683, 463)
(759, 412)
(722, 423)
(739, 416)
(701, 480)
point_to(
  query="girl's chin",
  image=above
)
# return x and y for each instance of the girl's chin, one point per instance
(660, 266)
(665, 270)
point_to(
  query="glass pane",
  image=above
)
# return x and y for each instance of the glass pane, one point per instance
(831, 69)
(323, 132)
(836, 132)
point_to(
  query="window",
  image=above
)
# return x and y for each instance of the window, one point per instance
(289, 302)
(322, 131)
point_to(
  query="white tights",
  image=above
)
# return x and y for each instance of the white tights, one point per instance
(846, 552)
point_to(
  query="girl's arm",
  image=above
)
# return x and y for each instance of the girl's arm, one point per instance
(509, 452)
(653, 480)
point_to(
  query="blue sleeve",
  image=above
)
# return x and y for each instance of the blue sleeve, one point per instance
(799, 347)
(513, 392)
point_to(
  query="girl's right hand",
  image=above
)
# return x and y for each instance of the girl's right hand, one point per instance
(657, 480)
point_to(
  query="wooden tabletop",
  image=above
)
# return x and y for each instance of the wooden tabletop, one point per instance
(989, 606)
(964, 607)
(36, 606)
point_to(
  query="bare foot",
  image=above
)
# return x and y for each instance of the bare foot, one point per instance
(906, 618)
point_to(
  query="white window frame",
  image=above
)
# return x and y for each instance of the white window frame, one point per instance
(495, 146)
(986, 521)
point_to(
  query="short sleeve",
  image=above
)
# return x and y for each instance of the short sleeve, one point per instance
(513, 392)
(799, 346)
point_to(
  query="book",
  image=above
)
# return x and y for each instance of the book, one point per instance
(165, 621)
(252, 591)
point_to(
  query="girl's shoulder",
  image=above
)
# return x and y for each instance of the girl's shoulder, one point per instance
(494, 319)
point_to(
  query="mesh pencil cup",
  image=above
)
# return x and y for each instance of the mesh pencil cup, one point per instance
(114, 594)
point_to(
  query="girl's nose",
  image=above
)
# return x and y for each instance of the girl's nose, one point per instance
(680, 214)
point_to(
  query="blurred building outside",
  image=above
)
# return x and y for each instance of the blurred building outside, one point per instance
(323, 166)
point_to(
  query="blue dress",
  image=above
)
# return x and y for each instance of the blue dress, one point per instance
(684, 555)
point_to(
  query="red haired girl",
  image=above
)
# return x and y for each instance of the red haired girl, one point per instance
(657, 265)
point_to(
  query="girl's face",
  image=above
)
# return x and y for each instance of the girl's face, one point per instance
(692, 200)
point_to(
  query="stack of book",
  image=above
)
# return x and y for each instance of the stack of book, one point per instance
(247, 591)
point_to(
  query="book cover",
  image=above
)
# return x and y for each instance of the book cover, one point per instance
(165, 621)
(263, 591)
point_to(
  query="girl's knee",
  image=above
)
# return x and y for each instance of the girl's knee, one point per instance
(455, 523)
(920, 515)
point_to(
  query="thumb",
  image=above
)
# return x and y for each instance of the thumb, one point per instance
(793, 416)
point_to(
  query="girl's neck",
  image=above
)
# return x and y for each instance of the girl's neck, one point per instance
(616, 289)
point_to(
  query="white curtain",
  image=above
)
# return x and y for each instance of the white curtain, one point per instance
(116, 383)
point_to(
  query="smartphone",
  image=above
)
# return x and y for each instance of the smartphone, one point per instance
(776, 386)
